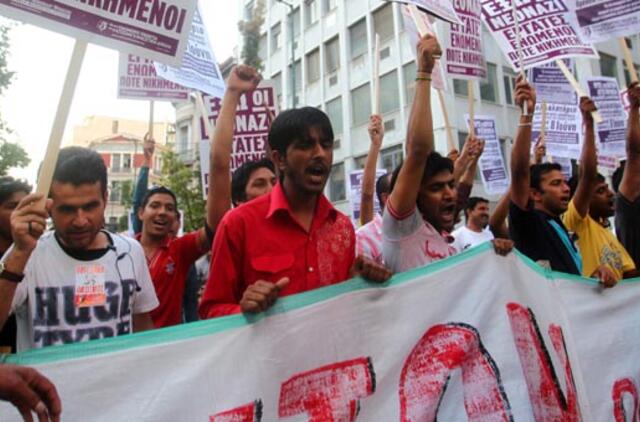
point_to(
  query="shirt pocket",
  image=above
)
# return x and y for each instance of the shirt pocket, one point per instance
(272, 267)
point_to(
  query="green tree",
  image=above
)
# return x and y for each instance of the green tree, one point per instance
(250, 30)
(11, 154)
(184, 181)
(126, 199)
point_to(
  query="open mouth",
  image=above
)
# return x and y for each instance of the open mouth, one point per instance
(160, 224)
(448, 213)
(317, 172)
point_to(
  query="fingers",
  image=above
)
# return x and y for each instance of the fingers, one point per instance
(371, 270)
(261, 295)
(282, 283)
(502, 246)
(50, 404)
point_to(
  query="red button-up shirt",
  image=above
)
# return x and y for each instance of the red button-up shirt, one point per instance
(169, 268)
(261, 240)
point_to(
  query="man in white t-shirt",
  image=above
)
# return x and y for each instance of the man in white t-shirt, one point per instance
(78, 282)
(476, 231)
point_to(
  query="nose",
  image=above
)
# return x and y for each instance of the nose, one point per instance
(449, 192)
(80, 220)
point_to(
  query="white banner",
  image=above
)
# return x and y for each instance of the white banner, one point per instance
(612, 132)
(600, 20)
(157, 30)
(442, 9)
(199, 67)
(474, 337)
(137, 80)
(492, 164)
(463, 51)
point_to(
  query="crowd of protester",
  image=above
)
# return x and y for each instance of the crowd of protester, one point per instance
(270, 231)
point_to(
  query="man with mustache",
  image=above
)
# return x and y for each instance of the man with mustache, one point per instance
(476, 230)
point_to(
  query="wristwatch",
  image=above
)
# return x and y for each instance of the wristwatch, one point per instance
(9, 275)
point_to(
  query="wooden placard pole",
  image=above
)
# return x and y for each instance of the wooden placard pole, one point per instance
(376, 76)
(472, 115)
(60, 121)
(628, 59)
(208, 127)
(151, 115)
(447, 125)
(576, 86)
(543, 123)
(514, 10)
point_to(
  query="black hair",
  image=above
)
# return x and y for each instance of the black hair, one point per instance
(295, 124)
(79, 166)
(158, 190)
(472, 202)
(383, 185)
(616, 178)
(9, 186)
(242, 175)
(575, 179)
(538, 170)
(436, 163)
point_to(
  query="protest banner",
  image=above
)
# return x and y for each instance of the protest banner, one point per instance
(157, 30)
(492, 165)
(463, 54)
(253, 120)
(442, 9)
(137, 80)
(355, 193)
(563, 135)
(600, 20)
(567, 166)
(198, 69)
(482, 337)
(546, 33)
(612, 132)
(608, 162)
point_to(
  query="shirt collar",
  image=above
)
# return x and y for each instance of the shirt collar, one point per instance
(444, 235)
(279, 202)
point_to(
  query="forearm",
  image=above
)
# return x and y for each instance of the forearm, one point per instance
(142, 322)
(470, 172)
(16, 263)
(588, 158)
(368, 185)
(498, 219)
(520, 162)
(420, 130)
(633, 135)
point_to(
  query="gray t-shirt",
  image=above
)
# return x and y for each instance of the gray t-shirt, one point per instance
(628, 226)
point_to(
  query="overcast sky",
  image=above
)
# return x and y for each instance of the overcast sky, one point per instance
(40, 59)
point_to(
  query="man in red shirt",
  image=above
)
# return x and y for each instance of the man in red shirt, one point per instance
(292, 239)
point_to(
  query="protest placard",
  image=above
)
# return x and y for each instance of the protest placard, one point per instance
(624, 97)
(474, 337)
(608, 162)
(355, 193)
(567, 166)
(253, 121)
(492, 165)
(137, 80)
(198, 69)
(157, 30)
(612, 132)
(600, 20)
(563, 135)
(442, 9)
(463, 51)
(546, 33)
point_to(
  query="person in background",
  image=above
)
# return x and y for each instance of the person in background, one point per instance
(476, 230)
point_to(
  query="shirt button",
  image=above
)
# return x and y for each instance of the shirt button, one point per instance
(310, 269)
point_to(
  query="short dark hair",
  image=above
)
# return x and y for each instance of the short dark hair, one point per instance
(382, 186)
(295, 124)
(616, 178)
(436, 163)
(158, 190)
(9, 186)
(79, 166)
(575, 179)
(536, 172)
(242, 175)
(472, 202)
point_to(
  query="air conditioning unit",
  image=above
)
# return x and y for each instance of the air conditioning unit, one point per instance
(385, 52)
(333, 79)
(389, 125)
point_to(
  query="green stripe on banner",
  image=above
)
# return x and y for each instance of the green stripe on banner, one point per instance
(286, 304)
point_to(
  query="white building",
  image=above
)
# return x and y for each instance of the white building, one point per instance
(332, 44)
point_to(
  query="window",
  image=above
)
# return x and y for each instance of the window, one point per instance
(276, 37)
(337, 183)
(389, 95)
(409, 70)
(262, 47)
(295, 15)
(460, 87)
(489, 88)
(114, 193)
(509, 81)
(358, 39)
(298, 69)
(360, 105)
(114, 127)
(627, 77)
(277, 82)
(334, 110)
(248, 10)
(116, 162)
(310, 12)
(608, 66)
(391, 158)
(332, 55)
(360, 162)
(313, 66)
(183, 139)
(126, 161)
(330, 5)
(383, 22)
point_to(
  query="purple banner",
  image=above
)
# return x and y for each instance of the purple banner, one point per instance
(492, 165)
(600, 20)
(464, 56)
(137, 80)
(612, 132)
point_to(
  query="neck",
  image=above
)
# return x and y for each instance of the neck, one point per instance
(602, 220)
(302, 204)
(101, 241)
(538, 206)
(150, 241)
(474, 227)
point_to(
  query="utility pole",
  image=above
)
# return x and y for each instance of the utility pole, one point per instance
(293, 53)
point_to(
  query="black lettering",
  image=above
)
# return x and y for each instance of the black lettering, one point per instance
(110, 310)
(73, 315)
(46, 307)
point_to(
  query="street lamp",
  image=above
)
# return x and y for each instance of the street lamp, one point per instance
(293, 53)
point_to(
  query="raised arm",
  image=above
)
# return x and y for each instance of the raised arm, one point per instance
(630, 184)
(588, 160)
(498, 219)
(520, 152)
(376, 135)
(420, 132)
(460, 162)
(142, 183)
(241, 79)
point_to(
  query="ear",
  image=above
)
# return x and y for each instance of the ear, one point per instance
(278, 160)
(535, 195)
(140, 212)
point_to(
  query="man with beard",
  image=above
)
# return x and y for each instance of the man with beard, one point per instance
(421, 209)
(540, 195)
(291, 239)
(476, 230)
(77, 282)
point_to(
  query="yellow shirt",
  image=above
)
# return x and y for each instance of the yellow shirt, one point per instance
(597, 245)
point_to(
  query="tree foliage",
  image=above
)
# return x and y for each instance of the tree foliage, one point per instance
(184, 181)
(12, 155)
(250, 30)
